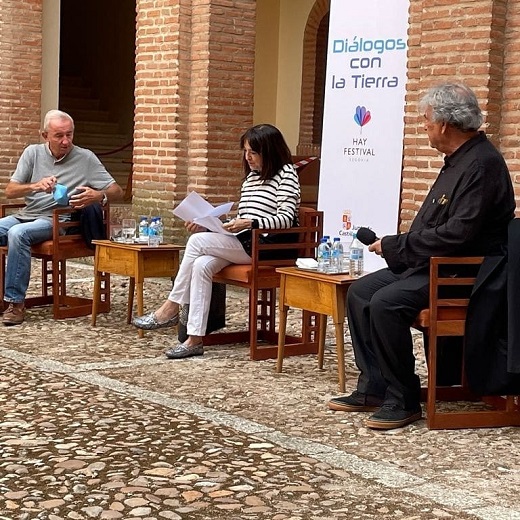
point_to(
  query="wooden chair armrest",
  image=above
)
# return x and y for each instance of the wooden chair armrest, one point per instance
(258, 247)
(61, 227)
(7, 209)
(454, 260)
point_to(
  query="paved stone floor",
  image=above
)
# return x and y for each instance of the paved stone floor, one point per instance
(96, 424)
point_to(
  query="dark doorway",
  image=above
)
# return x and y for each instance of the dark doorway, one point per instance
(97, 69)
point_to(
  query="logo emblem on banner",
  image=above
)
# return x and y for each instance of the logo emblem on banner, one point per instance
(362, 117)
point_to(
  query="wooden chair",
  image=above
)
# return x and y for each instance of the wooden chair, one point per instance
(67, 243)
(446, 316)
(308, 169)
(262, 280)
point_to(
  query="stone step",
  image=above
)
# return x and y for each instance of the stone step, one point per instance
(71, 81)
(96, 127)
(69, 104)
(86, 114)
(101, 142)
(79, 92)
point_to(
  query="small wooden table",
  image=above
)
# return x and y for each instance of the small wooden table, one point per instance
(138, 261)
(324, 294)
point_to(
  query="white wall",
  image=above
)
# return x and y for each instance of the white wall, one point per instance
(278, 64)
(50, 56)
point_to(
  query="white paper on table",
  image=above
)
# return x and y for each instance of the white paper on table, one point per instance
(196, 209)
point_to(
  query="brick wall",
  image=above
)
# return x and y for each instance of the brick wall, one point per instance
(470, 41)
(473, 41)
(20, 81)
(194, 89)
(194, 98)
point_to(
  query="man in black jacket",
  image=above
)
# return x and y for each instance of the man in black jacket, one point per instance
(466, 213)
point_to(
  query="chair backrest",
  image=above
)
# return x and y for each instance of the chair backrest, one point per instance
(449, 293)
(311, 221)
(309, 174)
(309, 229)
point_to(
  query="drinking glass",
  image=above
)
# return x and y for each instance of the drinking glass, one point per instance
(116, 233)
(128, 226)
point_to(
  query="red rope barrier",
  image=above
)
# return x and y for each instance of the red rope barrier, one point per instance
(120, 149)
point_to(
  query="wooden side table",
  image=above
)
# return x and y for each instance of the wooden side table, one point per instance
(324, 294)
(138, 261)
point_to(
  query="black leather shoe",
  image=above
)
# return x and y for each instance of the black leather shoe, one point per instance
(355, 402)
(391, 416)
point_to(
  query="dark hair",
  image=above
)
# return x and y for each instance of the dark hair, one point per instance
(269, 142)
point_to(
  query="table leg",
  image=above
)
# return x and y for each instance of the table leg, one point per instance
(322, 327)
(97, 293)
(140, 303)
(129, 310)
(340, 349)
(282, 327)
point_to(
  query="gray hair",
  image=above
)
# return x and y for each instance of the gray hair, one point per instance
(55, 114)
(455, 104)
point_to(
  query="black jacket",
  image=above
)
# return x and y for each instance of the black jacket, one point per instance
(492, 340)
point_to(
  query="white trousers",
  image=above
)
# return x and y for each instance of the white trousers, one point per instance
(205, 255)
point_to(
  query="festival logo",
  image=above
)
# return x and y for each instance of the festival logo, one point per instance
(362, 117)
(359, 149)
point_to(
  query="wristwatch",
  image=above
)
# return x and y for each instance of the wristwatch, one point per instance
(104, 200)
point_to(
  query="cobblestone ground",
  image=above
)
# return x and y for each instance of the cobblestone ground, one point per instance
(96, 423)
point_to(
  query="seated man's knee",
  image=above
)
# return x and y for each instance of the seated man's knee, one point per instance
(15, 235)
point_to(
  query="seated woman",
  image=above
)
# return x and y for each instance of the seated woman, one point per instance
(270, 198)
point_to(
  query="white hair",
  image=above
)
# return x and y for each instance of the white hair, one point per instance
(55, 114)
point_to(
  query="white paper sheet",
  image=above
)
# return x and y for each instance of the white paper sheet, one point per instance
(195, 209)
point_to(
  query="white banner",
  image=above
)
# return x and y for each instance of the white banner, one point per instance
(362, 145)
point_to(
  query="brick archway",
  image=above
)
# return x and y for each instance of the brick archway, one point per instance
(313, 78)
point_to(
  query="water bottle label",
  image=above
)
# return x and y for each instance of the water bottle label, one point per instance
(355, 254)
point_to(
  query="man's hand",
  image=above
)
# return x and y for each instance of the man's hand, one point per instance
(85, 196)
(375, 247)
(46, 184)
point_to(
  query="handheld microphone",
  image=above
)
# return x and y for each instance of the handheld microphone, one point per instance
(366, 236)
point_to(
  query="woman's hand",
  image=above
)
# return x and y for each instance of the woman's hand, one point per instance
(194, 228)
(238, 224)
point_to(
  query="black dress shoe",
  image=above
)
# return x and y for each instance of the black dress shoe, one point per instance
(391, 416)
(355, 402)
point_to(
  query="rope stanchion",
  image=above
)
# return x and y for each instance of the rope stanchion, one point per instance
(120, 149)
(304, 162)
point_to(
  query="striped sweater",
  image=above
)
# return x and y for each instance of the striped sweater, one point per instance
(273, 203)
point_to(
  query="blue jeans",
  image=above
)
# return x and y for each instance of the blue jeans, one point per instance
(19, 236)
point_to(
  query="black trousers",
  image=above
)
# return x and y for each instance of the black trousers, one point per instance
(381, 308)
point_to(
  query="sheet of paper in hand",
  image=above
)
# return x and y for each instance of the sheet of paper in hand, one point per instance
(196, 209)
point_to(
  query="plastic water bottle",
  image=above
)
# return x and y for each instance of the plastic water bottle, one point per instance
(346, 260)
(160, 230)
(323, 256)
(143, 229)
(356, 257)
(152, 227)
(337, 256)
(153, 234)
(329, 243)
